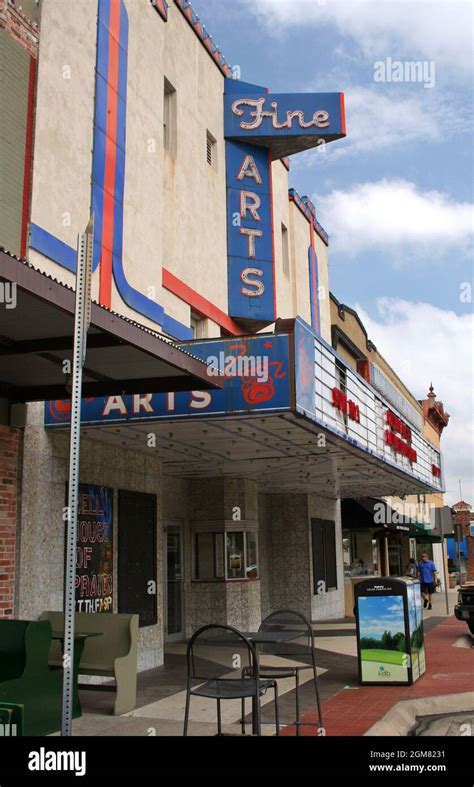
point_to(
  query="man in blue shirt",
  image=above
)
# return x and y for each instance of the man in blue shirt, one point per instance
(427, 574)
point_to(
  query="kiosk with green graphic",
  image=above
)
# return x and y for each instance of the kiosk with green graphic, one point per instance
(390, 642)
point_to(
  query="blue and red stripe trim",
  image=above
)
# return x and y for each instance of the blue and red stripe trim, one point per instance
(162, 7)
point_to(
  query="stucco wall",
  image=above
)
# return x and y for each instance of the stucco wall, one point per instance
(281, 210)
(322, 253)
(286, 555)
(290, 579)
(174, 205)
(330, 604)
(174, 209)
(299, 243)
(63, 132)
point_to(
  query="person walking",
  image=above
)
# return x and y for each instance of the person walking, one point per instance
(427, 573)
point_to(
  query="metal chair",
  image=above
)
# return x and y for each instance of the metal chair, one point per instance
(218, 655)
(293, 649)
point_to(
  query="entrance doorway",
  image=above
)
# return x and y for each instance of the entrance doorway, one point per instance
(174, 583)
(395, 560)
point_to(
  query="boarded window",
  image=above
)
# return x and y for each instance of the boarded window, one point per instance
(323, 532)
(137, 556)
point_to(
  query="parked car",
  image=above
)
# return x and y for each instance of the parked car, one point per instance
(464, 609)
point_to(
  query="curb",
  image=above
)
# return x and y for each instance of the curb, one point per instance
(403, 717)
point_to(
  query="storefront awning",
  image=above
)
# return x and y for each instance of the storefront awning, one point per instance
(36, 338)
(367, 513)
(423, 534)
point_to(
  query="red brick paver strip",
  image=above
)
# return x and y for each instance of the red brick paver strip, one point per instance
(449, 671)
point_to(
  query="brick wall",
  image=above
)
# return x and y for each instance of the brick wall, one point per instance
(20, 28)
(9, 450)
(463, 518)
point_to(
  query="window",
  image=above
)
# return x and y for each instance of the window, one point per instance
(196, 326)
(210, 556)
(252, 555)
(169, 118)
(347, 551)
(285, 252)
(235, 556)
(323, 533)
(230, 555)
(211, 150)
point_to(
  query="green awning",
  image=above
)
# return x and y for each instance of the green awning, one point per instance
(422, 533)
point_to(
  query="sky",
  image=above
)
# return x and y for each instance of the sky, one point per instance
(396, 195)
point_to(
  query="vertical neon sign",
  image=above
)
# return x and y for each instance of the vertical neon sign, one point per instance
(251, 280)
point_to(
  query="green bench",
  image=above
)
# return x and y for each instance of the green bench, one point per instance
(27, 682)
(114, 654)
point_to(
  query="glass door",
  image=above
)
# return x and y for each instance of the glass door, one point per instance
(395, 560)
(174, 584)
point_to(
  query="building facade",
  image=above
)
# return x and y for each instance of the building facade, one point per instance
(369, 548)
(197, 507)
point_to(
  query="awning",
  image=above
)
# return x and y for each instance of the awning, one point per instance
(423, 533)
(36, 338)
(367, 513)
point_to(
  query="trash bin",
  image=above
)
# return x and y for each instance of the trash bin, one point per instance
(390, 641)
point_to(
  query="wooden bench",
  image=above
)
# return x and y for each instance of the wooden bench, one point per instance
(112, 655)
(29, 687)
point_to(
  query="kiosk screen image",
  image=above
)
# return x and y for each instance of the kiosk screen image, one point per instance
(383, 647)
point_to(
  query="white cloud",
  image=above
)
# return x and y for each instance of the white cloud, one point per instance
(408, 29)
(427, 344)
(377, 120)
(390, 214)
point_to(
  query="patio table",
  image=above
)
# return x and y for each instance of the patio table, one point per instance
(276, 637)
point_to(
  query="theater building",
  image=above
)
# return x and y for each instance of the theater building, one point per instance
(206, 505)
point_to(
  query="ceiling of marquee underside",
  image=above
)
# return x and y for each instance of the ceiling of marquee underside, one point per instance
(280, 452)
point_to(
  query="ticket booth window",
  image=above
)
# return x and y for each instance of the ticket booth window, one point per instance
(229, 555)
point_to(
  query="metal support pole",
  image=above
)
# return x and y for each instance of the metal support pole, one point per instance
(81, 324)
(445, 573)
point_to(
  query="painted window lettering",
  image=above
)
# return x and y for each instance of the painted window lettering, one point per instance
(320, 117)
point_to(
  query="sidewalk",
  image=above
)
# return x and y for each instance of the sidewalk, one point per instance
(348, 708)
(450, 671)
